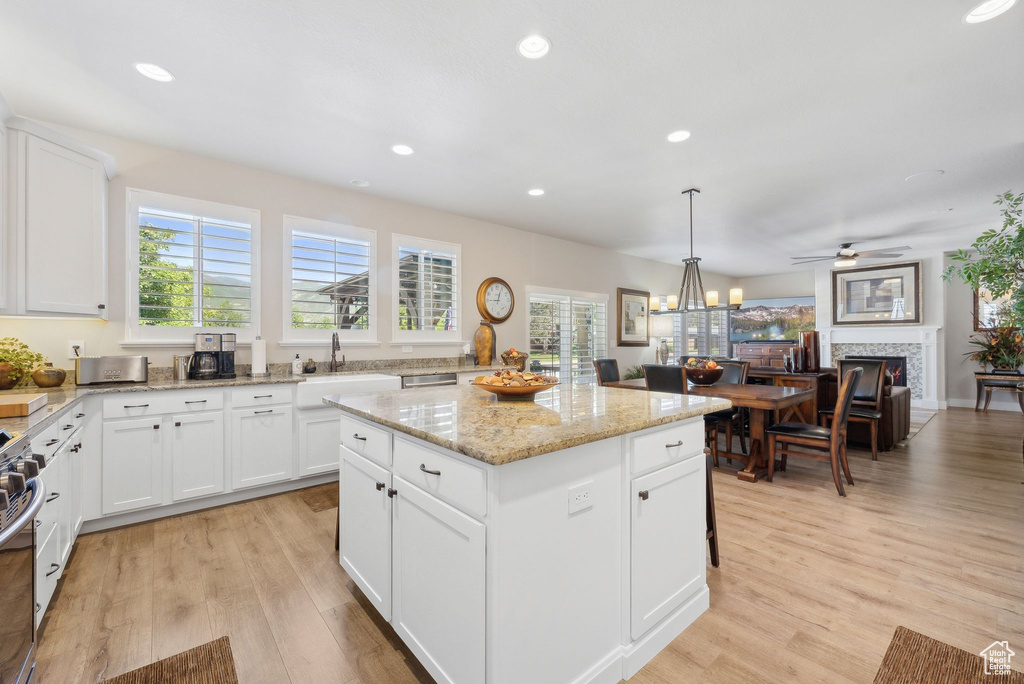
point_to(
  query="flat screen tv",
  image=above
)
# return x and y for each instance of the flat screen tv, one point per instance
(767, 320)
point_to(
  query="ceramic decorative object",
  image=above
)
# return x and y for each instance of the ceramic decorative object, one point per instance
(704, 376)
(483, 341)
(48, 376)
(8, 376)
(515, 359)
(506, 393)
(309, 366)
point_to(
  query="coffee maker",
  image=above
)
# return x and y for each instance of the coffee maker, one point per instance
(226, 356)
(204, 362)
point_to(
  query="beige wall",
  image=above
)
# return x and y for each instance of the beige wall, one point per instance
(795, 284)
(519, 257)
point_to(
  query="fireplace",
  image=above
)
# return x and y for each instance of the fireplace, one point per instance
(897, 365)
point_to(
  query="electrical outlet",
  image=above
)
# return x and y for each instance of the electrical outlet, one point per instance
(71, 348)
(580, 497)
(407, 349)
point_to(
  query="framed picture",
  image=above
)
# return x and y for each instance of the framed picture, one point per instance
(889, 294)
(989, 310)
(771, 319)
(632, 317)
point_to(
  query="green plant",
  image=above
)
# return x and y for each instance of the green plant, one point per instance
(1002, 347)
(634, 373)
(19, 355)
(996, 263)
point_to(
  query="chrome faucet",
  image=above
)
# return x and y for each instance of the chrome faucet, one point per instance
(335, 348)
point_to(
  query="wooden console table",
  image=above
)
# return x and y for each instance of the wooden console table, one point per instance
(991, 381)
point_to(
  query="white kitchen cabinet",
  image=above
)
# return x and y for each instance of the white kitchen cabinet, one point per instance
(668, 562)
(132, 464)
(197, 454)
(438, 584)
(48, 567)
(58, 199)
(61, 487)
(319, 434)
(261, 446)
(365, 527)
(76, 504)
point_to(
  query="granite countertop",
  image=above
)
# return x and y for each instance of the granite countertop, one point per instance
(413, 371)
(472, 422)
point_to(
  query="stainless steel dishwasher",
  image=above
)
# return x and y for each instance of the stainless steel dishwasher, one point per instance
(413, 381)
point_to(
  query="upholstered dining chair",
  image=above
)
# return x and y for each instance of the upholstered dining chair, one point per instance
(607, 370)
(734, 419)
(867, 397)
(672, 379)
(827, 444)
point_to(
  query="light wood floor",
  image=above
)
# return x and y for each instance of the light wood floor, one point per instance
(811, 586)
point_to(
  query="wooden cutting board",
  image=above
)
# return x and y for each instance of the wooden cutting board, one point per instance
(15, 405)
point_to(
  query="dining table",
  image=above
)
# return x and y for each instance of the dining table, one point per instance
(760, 400)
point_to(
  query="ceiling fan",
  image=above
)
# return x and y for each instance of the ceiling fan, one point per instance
(848, 257)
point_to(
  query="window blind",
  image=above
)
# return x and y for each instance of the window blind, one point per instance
(566, 335)
(194, 271)
(330, 282)
(701, 333)
(427, 289)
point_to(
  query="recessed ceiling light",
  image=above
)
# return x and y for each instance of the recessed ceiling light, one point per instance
(536, 192)
(678, 136)
(402, 149)
(360, 183)
(924, 174)
(534, 47)
(990, 9)
(157, 73)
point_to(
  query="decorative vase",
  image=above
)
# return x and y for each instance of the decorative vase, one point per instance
(48, 376)
(483, 341)
(9, 376)
(809, 341)
(309, 366)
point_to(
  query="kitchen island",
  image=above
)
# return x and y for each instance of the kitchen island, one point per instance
(561, 540)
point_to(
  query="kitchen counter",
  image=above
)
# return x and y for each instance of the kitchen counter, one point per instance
(470, 421)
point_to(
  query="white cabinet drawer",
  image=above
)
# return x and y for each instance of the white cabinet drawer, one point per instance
(458, 483)
(366, 440)
(664, 447)
(261, 395)
(141, 404)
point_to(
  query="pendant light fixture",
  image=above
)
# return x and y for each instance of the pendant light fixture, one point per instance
(691, 290)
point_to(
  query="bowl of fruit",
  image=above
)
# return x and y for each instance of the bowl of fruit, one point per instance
(512, 385)
(703, 371)
(515, 358)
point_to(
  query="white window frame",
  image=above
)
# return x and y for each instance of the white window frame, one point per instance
(426, 337)
(681, 334)
(174, 336)
(570, 295)
(306, 337)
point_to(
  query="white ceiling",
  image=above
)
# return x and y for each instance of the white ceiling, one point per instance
(806, 116)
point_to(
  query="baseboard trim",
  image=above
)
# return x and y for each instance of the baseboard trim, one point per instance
(608, 670)
(642, 651)
(994, 406)
(157, 512)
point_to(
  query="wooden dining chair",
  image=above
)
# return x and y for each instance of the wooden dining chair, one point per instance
(867, 397)
(709, 500)
(733, 419)
(607, 370)
(672, 379)
(827, 444)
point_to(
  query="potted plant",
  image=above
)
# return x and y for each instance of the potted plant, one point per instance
(17, 361)
(1003, 348)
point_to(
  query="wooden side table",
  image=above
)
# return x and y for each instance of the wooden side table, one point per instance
(991, 381)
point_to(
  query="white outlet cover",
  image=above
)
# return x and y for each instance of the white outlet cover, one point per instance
(71, 348)
(407, 349)
(581, 497)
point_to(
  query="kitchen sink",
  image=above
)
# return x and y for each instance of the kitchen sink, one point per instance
(310, 394)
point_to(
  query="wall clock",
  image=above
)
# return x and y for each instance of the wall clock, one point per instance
(495, 301)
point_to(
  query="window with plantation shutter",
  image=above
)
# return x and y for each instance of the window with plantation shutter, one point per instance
(701, 334)
(193, 266)
(331, 275)
(567, 332)
(426, 290)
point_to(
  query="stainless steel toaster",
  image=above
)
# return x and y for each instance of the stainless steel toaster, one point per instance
(92, 370)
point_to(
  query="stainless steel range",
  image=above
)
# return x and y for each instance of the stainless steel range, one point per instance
(21, 496)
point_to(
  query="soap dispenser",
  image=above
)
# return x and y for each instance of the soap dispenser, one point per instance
(296, 365)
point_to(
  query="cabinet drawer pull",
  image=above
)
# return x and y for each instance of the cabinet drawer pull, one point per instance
(53, 497)
(264, 411)
(197, 401)
(128, 406)
(643, 494)
(380, 486)
(67, 427)
(262, 396)
(177, 424)
(157, 426)
(54, 567)
(392, 493)
(359, 437)
(38, 607)
(672, 446)
(79, 415)
(424, 469)
(52, 442)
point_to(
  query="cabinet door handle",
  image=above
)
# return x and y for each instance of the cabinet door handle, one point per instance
(53, 497)
(54, 567)
(359, 437)
(264, 411)
(643, 494)
(392, 493)
(136, 406)
(262, 396)
(380, 486)
(101, 306)
(424, 469)
(672, 446)
(52, 442)
(177, 424)
(157, 426)
(197, 401)
(38, 607)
